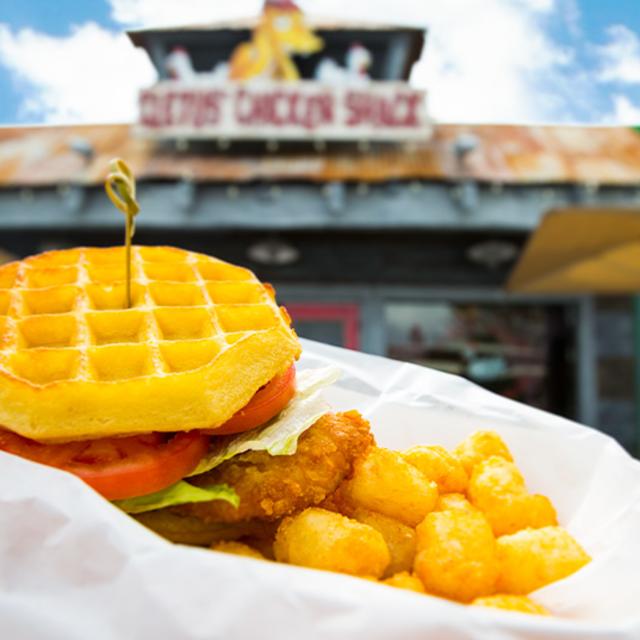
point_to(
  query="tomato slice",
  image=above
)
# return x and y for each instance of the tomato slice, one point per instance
(118, 468)
(265, 404)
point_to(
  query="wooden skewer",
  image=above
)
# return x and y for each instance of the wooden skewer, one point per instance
(120, 186)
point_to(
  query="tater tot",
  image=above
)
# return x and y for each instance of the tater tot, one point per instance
(481, 445)
(497, 488)
(262, 544)
(456, 555)
(404, 580)
(439, 465)
(511, 513)
(453, 501)
(386, 483)
(522, 604)
(400, 539)
(238, 549)
(322, 539)
(532, 558)
(540, 511)
(496, 475)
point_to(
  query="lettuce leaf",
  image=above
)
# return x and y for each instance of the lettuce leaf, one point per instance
(179, 493)
(280, 436)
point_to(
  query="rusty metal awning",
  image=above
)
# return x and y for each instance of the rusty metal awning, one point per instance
(505, 155)
(592, 250)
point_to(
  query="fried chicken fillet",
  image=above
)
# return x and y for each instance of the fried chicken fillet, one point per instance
(269, 487)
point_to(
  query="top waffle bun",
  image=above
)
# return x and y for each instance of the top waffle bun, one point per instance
(202, 336)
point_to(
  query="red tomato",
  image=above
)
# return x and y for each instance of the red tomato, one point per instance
(118, 468)
(265, 404)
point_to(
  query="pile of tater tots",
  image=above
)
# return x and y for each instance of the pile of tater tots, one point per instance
(456, 524)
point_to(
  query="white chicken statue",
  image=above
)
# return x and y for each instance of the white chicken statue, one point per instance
(179, 67)
(356, 72)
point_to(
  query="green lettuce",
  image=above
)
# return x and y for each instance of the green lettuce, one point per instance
(279, 437)
(179, 493)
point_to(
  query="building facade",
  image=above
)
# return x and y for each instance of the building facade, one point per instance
(396, 247)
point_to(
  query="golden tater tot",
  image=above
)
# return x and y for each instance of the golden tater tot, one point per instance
(497, 475)
(385, 482)
(456, 555)
(532, 558)
(400, 539)
(322, 539)
(453, 501)
(404, 580)
(439, 465)
(540, 511)
(521, 604)
(479, 446)
(511, 513)
(262, 544)
(238, 549)
(498, 489)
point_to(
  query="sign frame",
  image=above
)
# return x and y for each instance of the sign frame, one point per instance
(271, 110)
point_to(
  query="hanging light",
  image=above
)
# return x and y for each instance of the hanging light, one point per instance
(492, 253)
(273, 252)
(83, 148)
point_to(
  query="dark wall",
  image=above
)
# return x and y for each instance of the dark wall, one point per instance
(430, 259)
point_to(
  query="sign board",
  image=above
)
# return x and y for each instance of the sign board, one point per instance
(272, 110)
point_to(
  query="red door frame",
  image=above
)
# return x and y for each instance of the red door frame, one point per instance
(347, 314)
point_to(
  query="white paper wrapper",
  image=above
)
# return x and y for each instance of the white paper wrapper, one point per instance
(73, 566)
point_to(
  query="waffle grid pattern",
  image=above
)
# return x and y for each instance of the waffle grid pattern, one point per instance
(63, 316)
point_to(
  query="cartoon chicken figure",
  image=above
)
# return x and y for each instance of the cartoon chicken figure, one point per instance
(280, 33)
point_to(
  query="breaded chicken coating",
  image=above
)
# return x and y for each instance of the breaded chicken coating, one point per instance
(271, 487)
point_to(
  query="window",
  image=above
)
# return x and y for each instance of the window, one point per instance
(523, 352)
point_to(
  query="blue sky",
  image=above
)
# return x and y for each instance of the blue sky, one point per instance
(486, 60)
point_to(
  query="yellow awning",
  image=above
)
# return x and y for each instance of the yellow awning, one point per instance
(581, 250)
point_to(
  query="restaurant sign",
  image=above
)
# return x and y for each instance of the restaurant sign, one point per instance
(276, 110)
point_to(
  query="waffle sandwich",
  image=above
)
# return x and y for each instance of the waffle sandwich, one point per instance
(186, 396)
(202, 336)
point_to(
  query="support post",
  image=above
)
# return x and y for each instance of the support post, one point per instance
(636, 372)
(587, 364)
(374, 335)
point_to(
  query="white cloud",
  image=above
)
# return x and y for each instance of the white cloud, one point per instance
(543, 6)
(92, 75)
(620, 56)
(572, 17)
(624, 111)
(503, 70)
(149, 13)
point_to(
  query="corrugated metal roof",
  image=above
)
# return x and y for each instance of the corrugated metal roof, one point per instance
(40, 156)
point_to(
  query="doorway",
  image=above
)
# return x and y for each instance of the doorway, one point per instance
(330, 322)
